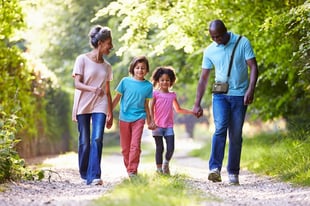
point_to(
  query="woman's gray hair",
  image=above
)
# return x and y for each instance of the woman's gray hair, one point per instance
(98, 33)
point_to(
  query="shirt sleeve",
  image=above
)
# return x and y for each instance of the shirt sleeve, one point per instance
(249, 53)
(78, 66)
(120, 87)
(150, 93)
(206, 62)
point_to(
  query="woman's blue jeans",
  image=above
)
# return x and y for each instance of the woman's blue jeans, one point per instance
(228, 113)
(90, 145)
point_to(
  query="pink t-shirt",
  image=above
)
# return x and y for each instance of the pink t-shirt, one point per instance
(163, 108)
(96, 75)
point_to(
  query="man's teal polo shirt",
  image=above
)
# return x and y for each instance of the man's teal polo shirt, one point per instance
(218, 56)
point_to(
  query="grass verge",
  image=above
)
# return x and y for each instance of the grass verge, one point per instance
(278, 155)
(152, 190)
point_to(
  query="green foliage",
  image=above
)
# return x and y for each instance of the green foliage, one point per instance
(278, 31)
(23, 85)
(12, 167)
(66, 35)
(58, 110)
(16, 101)
(152, 190)
(284, 55)
(11, 18)
(9, 160)
(15, 83)
(156, 25)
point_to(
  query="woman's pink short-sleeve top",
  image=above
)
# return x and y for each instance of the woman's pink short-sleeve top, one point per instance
(93, 74)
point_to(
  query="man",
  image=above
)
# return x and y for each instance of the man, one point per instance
(228, 109)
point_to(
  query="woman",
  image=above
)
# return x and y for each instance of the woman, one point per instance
(92, 102)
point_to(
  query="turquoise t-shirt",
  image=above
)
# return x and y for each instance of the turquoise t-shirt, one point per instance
(134, 93)
(218, 56)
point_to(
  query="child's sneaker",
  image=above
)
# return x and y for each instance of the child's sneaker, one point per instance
(159, 171)
(166, 169)
(132, 175)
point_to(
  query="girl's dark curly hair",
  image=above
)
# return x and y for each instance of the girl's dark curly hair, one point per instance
(159, 71)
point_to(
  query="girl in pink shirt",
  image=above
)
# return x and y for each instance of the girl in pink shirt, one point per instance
(162, 105)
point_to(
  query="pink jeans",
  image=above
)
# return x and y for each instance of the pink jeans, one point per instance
(130, 140)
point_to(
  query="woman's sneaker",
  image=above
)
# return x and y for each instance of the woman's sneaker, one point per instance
(233, 179)
(215, 175)
(97, 182)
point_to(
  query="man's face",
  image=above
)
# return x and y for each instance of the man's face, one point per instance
(220, 37)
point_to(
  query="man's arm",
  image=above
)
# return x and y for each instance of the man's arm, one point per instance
(249, 95)
(203, 81)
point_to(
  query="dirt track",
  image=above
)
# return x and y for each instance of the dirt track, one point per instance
(66, 188)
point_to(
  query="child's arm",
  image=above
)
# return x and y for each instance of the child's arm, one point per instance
(116, 100)
(110, 109)
(181, 110)
(151, 106)
(149, 118)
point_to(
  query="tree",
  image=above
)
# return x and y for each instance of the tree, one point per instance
(279, 28)
(17, 104)
(58, 39)
(285, 70)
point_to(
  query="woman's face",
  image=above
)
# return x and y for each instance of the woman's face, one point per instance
(105, 46)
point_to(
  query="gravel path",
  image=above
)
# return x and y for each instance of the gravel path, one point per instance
(66, 188)
(254, 190)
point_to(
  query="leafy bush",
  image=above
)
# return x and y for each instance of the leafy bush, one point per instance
(12, 167)
(17, 104)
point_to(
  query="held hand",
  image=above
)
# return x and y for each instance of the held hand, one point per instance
(109, 123)
(152, 126)
(198, 111)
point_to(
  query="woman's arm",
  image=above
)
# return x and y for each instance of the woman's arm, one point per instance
(110, 106)
(78, 84)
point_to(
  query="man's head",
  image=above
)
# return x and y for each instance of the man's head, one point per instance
(218, 32)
